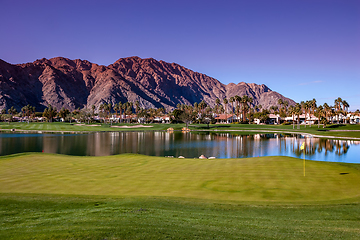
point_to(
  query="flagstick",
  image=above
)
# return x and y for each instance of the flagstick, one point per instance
(304, 162)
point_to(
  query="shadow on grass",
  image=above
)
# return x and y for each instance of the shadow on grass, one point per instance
(211, 127)
(336, 126)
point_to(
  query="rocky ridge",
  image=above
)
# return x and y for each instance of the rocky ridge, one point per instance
(73, 84)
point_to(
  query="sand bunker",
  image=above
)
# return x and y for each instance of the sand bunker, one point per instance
(135, 126)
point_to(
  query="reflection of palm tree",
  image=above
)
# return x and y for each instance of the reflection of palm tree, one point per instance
(346, 147)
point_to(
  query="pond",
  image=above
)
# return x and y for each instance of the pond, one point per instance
(190, 145)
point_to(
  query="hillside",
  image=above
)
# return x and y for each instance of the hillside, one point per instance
(73, 84)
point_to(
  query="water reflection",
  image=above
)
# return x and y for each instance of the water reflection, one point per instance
(220, 145)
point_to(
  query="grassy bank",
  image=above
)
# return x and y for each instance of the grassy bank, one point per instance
(129, 196)
(341, 131)
(59, 217)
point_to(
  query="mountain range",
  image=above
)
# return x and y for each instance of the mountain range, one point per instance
(73, 84)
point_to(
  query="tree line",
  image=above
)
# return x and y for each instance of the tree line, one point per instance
(242, 107)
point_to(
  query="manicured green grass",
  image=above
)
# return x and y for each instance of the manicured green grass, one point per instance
(341, 131)
(262, 179)
(74, 127)
(129, 196)
(60, 217)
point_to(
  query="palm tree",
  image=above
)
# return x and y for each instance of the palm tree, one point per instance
(305, 107)
(280, 102)
(250, 102)
(345, 108)
(319, 114)
(298, 111)
(225, 106)
(312, 107)
(63, 113)
(244, 100)
(286, 104)
(282, 108)
(101, 111)
(12, 111)
(92, 111)
(217, 101)
(116, 108)
(232, 100)
(337, 105)
(292, 111)
(274, 109)
(50, 112)
(238, 109)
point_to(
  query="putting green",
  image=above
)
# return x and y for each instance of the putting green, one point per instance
(262, 179)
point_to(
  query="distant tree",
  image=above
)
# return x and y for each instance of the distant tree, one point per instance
(274, 109)
(298, 111)
(50, 112)
(345, 109)
(64, 113)
(217, 101)
(357, 112)
(292, 111)
(263, 116)
(337, 105)
(3, 112)
(232, 100)
(238, 100)
(187, 116)
(176, 114)
(93, 111)
(286, 105)
(12, 111)
(225, 101)
(312, 105)
(319, 113)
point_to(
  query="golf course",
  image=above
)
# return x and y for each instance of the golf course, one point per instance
(131, 196)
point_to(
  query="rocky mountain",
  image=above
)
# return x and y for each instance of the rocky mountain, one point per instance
(73, 84)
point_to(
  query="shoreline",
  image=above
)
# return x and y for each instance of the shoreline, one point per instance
(202, 130)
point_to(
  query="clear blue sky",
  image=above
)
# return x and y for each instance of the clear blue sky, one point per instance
(303, 49)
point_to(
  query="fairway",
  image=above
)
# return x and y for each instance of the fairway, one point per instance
(261, 180)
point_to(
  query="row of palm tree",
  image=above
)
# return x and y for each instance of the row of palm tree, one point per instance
(243, 107)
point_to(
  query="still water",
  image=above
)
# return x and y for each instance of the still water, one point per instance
(190, 145)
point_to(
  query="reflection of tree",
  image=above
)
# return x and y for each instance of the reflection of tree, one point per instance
(317, 145)
(341, 147)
